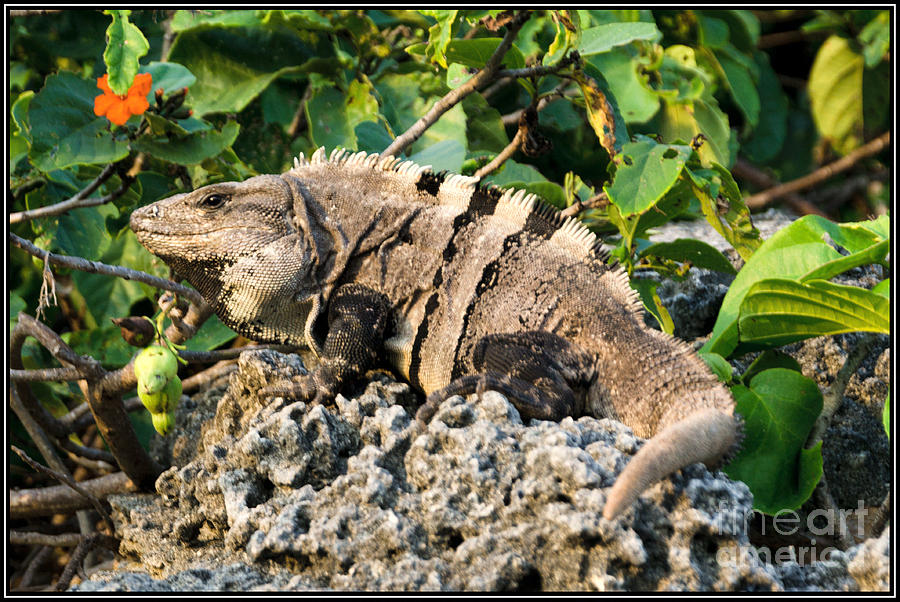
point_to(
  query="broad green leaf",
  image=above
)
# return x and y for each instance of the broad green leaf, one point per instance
(192, 148)
(724, 208)
(171, 77)
(646, 289)
(457, 75)
(767, 138)
(230, 68)
(836, 93)
(646, 172)
(440, 34)
(515, 174)
(64, 129)
(606, 37)
(783, 255)
(475, 53)
(779, 311)
(683, 121)
(125, 45)
(742, 87)
(212, 335)
(637, 102)
(713, 31)
(876, 38)
(768, 359)
(883, 288)
(444, 155)
(372, 137)
(484, 125)
(779, 409)
(699, 253)
(19, 112)
(719, 365)
(188, 19)
(874, 254)
(104, 344)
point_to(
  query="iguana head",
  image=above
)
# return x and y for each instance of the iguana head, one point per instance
(235, 243)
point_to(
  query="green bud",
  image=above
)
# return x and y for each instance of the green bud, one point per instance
(162, 422)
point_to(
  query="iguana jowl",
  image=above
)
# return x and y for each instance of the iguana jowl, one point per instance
(460, 287)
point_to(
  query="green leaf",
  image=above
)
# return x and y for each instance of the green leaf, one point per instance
(64, 129)
(779, 409)
(475, 53)
(171, 77)
(105, 345)
(515, 174)
(699, 253)
(229, 67)
(646, 172)
(440, 34)
(683, 121)
(606, 37)
(445, 155)
(125, 45)
(836, 93)
(742, 87)
(192, 148)
(779, 311)
(646, 289)
(886, 415)
(719, 365)
(768, 359)
(637, 102)
(484, 125)
(333, 114)
(883, 288)
(768, 137)
(874, 254)
(724, 208)
(876, 38)
(19, 112)
(212, 335)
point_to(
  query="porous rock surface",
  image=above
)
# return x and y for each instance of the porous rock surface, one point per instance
(269, 495)
(291, 496)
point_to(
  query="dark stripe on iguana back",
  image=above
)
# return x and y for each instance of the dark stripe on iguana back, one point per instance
(430, 182)
(483, 202)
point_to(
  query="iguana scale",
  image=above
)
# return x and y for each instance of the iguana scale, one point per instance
(460, 287)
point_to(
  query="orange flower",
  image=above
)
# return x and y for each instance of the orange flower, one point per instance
(119, 107)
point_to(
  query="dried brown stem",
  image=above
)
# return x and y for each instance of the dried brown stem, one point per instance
(480, 79)
(80, 553)
(825, 172)
(95, 267)
(60, 499)
(58, 374)
(67, 480)
(32, 538)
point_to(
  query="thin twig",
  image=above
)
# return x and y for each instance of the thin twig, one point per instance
(218, 355)
(60, 499)
(80, 553)
(46, 374)
(480, 79)
(513, 118)
(212, 373)
(40, 557)
(873, 147)
(746, 171)
(95, 267)
(79, 200)
(505, 154)
(67, 480)
(33, 538)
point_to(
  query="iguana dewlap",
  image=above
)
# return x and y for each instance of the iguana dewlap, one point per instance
(459, 287)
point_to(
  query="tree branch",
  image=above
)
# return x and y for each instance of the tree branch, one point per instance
(60, 499)
(825, 172)
(95, 267)
(480, 79)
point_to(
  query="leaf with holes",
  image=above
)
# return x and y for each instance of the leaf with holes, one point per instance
(646, 172)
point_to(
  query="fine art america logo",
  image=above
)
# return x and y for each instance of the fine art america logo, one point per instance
(829, 524)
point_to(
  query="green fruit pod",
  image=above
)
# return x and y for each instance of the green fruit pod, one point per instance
(163, 421)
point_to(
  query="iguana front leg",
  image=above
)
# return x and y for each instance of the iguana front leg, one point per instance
(536, 370)
(357, 318)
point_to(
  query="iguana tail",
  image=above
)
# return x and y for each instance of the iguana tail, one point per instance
(707, 436)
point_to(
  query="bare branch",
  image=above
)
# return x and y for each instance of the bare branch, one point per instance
(80, 553)
(95, 267)
(68, 481)
(873, 147)
(79, 200)
(60, 499)
(32, 13)
(505, 154)
(480, 79)
(32, 538)
(58, 374)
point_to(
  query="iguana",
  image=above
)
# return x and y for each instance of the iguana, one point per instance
(460, 287)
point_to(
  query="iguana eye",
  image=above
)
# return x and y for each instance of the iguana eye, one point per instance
(213, 201)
